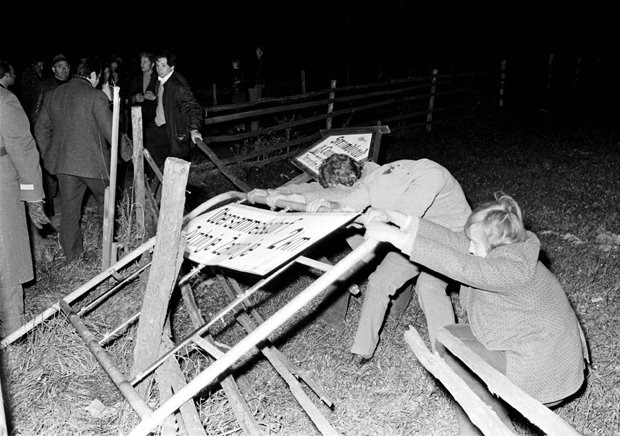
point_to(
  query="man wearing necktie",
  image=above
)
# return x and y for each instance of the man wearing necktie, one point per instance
(177, 110)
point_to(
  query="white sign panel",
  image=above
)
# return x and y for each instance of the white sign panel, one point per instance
(254, 240)
(356, 145)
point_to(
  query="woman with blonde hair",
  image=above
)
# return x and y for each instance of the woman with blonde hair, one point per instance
(519, 318)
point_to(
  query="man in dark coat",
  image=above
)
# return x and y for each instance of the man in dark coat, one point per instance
(74, 130)
(61, 70)
(20, 181)
(177, 110)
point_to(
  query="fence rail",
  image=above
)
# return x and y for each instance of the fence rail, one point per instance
(261, 131)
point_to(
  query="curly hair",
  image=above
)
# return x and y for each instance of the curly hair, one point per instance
(339, 169)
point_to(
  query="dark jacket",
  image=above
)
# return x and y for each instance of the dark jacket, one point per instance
(74, 130)
(45, 85)
(183, 113)
(148, 106)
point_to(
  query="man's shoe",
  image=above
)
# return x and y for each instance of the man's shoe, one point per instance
(360, 360)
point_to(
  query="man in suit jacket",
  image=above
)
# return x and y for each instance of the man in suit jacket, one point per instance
(177, 110)
(20, 181)
(74, 130)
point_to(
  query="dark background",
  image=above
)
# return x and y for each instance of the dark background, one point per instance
(322, 37)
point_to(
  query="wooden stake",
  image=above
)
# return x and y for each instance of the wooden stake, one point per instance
(303, 81)
(330, 105)
(110, 205)
(167, 258)
(502, 83)
(431, 101)
(214, 88)
(138, 165)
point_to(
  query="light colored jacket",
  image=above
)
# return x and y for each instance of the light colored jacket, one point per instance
(514, 304)
(20, 181)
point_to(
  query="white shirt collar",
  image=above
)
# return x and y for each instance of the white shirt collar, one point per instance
(162, 80)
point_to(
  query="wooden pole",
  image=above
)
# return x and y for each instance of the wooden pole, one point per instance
(303, 81)
(167, 259)
(214, 88)
(549, 71)
(330, 105)
(110, 204)
(252, 339)
(138, 164)
(123, 385)
(577, 71)
(431, 101)
(502, 83)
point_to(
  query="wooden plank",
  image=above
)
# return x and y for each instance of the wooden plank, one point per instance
(537, 413)
(481, 414)
(167, 259)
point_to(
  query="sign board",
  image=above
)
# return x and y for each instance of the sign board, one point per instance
(254, 240)
(356, 142)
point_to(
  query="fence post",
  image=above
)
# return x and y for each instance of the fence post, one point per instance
(431, 100)
(139, 191)
(502, 83)
(303, 81)
(549, 68)
(214, 88)
(110, 192)
(330, 105)
(577, 70)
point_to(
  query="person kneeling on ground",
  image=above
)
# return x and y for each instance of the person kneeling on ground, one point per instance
(520, 319)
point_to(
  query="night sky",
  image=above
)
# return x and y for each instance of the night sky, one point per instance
(319, 34)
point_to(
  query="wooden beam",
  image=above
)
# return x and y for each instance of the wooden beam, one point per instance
(167, 259)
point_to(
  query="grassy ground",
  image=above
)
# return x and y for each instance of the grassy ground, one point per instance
(563, 174)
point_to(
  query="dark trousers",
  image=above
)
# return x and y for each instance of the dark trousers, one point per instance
(72, 190)
(157, 143)
(50, 189)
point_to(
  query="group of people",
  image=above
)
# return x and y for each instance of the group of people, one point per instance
(518, 317)
(59, 148)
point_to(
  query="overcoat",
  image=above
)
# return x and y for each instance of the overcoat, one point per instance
(183, 113)
(74, 130)
(513, 304)
(20, 181)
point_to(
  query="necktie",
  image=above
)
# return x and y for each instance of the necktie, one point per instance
(160, 119)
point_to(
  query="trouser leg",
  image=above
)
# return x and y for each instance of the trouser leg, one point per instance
(50, 189)
(72, 191)
(435, 303)
(497, 359)
(11, 308)
(391, 274)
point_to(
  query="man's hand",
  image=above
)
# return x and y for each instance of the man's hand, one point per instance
(195, 135)
(150, 95)
(384, 233)
(254, 194)
(386, 216)
(37, 215)
(315, 205)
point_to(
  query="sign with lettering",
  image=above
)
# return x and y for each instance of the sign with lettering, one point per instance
(255, 240)
(357, 143)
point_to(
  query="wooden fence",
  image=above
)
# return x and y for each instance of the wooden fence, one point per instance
(258, 132)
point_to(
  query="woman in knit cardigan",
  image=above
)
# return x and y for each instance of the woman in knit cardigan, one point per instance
(519, 318)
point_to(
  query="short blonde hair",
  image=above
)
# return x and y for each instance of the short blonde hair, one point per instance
(501, 221)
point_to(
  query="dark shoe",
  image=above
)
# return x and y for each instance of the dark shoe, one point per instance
(360, 360)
